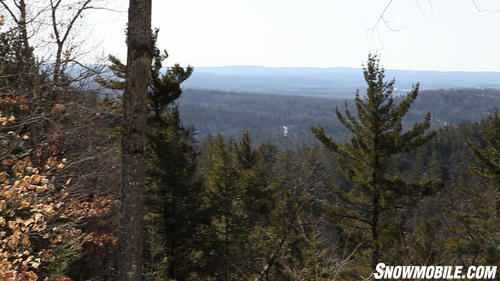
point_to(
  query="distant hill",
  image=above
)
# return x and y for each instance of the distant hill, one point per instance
(230, 113)
(337, 82)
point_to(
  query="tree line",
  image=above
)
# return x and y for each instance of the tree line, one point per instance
(265, 115)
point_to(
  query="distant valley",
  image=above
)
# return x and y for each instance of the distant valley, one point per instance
(264, 115)
(338, 82)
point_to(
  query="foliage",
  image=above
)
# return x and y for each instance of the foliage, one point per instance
(489, 157)
(40, 226)
(171, 203)
(479, 217)
(235, 207)
(365, 161)
(55, 132)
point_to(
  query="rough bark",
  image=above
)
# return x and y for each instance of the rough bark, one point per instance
(139, 56)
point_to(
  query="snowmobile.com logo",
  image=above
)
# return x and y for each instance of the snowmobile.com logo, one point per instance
(383, 271)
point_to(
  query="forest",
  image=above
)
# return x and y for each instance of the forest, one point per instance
(156, 183)
(265, 115)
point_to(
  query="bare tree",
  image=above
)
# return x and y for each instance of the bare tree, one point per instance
(62, 30)
(139, 57)
(43, 24)
(62, 119)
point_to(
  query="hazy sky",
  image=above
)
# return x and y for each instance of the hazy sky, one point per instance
(429, 34)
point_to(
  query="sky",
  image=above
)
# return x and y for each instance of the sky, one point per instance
(445, 35)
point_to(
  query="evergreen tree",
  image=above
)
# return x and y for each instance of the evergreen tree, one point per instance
(254, 180)
(172, 193)
(239, 198)
(490, 156)
(377, 135)
(224, 199)
(133, 169)
(481, 220)
(172, 189)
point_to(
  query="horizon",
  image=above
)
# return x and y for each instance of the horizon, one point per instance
(346, 67)
(447, 35)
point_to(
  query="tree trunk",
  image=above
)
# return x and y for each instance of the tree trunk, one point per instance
(27, 52)
(375, 217)
(139, 56)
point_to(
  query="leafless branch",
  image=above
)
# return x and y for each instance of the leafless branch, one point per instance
(480, 10)
(381, 19)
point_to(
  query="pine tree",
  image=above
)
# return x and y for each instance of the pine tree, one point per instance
(254, 180)
(172, 193)
(139, 56)
(172, 189)
(490, 156)
(224, 200)
(239, 197)
(377, 135)
(481, 221)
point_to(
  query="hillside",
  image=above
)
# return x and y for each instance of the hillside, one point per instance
(264, 116)
(339, 82)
